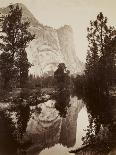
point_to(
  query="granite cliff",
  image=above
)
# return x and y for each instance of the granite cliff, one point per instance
(50, 46)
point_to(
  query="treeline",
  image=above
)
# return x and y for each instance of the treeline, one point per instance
(40, 82)
(60, 79)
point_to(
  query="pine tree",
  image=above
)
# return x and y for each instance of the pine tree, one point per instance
(15, 40)
(100, 72)
(100, 36)
(61, 76)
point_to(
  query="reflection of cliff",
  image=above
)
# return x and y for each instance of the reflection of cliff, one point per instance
(69, 124)
(47, 129)
(45, 137)
(44, 133)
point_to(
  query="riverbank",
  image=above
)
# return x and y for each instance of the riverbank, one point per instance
(32, 97)
(98, 149)
(9, 100)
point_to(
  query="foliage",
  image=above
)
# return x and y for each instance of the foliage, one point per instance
(79, 85)
(62, 76)
(23, 115)
(100, 55)
(15, 37)
(62, 99)
(100, 64)
(40, 82)
(7, 133)
(99, 76)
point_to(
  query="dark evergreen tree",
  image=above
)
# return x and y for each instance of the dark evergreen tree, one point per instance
(100, 36)
(15, 40)
(100, 73)
(61, 76)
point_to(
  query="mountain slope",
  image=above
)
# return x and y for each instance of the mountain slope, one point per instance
(50, 46)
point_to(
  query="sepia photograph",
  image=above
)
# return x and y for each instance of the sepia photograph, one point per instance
(57, 77)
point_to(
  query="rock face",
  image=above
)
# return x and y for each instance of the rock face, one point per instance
(50, 46)
(66, 41)
(46, 53)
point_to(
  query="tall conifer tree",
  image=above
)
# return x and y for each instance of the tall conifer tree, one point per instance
(14, 62)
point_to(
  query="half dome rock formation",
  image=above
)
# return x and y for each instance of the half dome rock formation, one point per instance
(50, 46)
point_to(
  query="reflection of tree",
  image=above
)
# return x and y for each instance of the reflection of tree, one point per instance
(23, 114)
(8, 142)
(101, 116)
(62, 102)
(99, 106)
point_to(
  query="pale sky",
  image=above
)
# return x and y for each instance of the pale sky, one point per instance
(76, 13)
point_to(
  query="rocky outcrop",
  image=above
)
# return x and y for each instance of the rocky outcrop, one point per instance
(66, 41)
(46, 53)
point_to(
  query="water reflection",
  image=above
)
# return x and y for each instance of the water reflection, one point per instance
(62, 99)
(49, 128)
(69, 124)
(22, 116)
(56, 150)
(7, 134)
(82, 123)
(31, 131)
(101, 131)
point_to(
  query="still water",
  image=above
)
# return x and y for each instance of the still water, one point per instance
(46, 128)
(82, 122)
